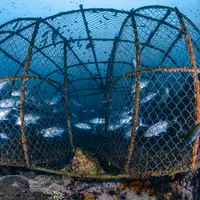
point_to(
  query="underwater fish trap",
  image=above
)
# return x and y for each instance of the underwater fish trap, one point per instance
(100, 88)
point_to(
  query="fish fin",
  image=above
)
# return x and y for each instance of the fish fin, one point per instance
(16, 115)
(190, 140)
(5, 119)
(141, 123)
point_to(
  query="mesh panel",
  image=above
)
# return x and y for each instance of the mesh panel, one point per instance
(80, 71)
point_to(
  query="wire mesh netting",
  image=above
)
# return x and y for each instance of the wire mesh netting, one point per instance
(121, 86)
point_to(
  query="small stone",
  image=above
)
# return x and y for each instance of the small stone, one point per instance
(129, 195)
(96, 189)
(28, 174)
(46, 179)
(13, 185)
(105, 196)
(111, 185)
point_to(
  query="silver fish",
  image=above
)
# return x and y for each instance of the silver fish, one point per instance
(3, 84)
(56, 99)
(31, 118)
(125, 113)
(76, 103)
(9, 103)
(88, 111)
(106, 101)
(4, 113)
(134, 63)
(59, 109)
(129, 130)
(157, 129)
(74, 115)
(97, 121)
(16, 93)
(166, 95)
(35, 101)
(113, 127)
(148, 97)
(55, 131)
(83, 126)
(126, 120)
(4, 136)
(144, 82)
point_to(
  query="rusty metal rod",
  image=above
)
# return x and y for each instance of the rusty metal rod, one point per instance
(22, 97)
(136, 175)
(108, 92)
(66, 97)
(196, 84)
(164, 69)
(136, 105)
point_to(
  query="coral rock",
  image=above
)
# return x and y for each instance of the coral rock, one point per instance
(85, 164)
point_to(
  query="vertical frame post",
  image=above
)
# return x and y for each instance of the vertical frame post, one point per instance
(66, 96)
(137, 90)
(109, 82)
(22, 97)
(196, 83)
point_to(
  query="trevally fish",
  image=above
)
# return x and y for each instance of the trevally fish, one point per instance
(129, 130)
(3, 84)
(144, 82)
(192, 134)
(76, 103)
(88, 111)
(16, 93)
(148, 97)
(4, 136)
(83, 126)
(56, 99)
(31, 118)
(125, 113)
(74, 115)
(9, 103)
(113, 127)
(134, 63)
(4, 113)
(36, 101)
(126, 120)
(106, 101)
(59, 109)
(166, 96)
(55, 131)
(157, 129)
(97, 121)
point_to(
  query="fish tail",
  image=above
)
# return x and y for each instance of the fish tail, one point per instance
(140, 121)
